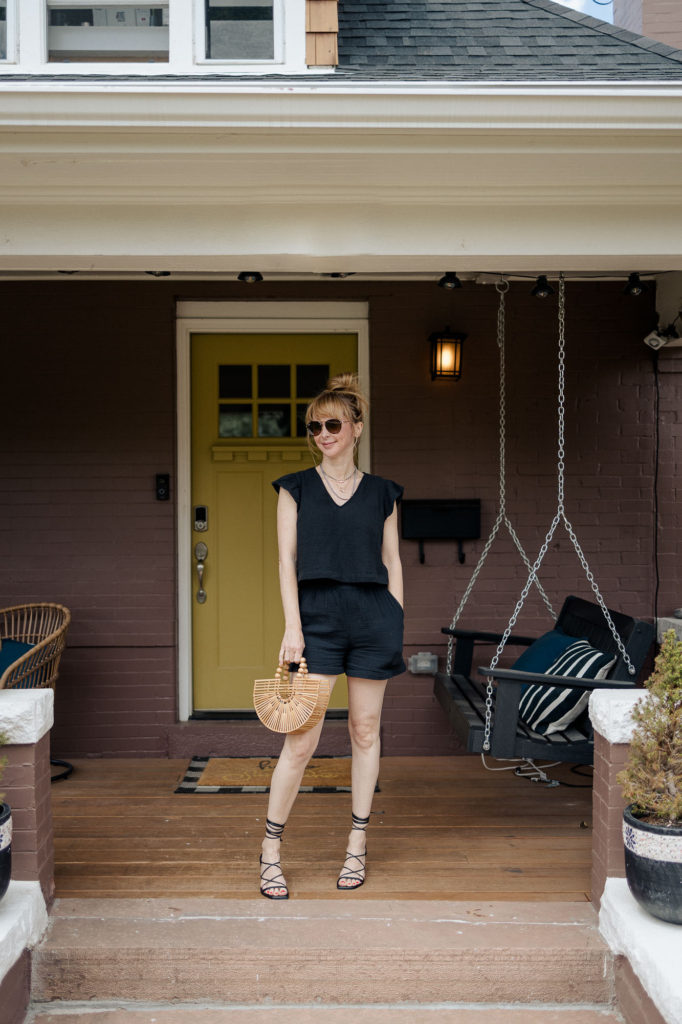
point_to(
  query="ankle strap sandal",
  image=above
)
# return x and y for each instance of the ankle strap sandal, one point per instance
(354, 866)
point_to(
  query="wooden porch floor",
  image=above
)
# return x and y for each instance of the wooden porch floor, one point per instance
(442, 828)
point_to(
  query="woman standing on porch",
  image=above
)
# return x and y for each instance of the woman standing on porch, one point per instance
(342, 591)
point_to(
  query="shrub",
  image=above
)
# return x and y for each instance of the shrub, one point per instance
(652, 778)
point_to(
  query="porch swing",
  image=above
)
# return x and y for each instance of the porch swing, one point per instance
(513, 719)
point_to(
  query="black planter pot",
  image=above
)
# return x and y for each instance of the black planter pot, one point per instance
(5, 847)
(653, 866)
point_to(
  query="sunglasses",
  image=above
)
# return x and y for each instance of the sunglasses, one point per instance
(314, 427)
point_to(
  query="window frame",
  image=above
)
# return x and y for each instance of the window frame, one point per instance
(10, 33)
(66, 4)
(186, 44)
(201, 32)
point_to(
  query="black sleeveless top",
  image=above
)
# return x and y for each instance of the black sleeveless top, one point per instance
(340, 542)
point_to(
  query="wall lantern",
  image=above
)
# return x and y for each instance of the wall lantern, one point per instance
(446, 354)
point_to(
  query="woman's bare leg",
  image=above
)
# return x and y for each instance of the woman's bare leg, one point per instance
(285, 783)
(365, 700)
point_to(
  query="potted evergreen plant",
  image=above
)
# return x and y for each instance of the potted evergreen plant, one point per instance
(5, 832)
(652, 783)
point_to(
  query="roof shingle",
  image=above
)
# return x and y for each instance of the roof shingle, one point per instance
(518, 40)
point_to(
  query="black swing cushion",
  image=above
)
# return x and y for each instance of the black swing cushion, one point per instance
(550, 709)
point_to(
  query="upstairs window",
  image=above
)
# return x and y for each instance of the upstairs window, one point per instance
(7, 16)
(3, 30)
(107, 32)
(240, 30)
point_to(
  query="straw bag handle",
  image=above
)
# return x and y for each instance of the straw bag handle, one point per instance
(283, 674)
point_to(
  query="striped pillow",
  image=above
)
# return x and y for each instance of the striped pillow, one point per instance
(548, 709)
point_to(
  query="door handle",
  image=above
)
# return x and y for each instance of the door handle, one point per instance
(200, 553)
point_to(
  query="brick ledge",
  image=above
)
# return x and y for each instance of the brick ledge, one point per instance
(23, 921)
(26, 715)
(652, 947)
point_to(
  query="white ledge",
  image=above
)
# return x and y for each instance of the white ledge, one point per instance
(26, 715)
(664, 624)
(23, 920)
(611, 713)
(653, 947)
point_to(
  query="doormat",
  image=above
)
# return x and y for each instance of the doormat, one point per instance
(252, 775)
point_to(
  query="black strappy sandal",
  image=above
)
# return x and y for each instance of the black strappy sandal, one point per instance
(348, 872)
(272, 831)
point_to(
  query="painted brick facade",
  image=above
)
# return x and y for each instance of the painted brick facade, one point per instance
(608, 859)
(15, 991)
(26, 782)
(633, 1002)
(94, 420)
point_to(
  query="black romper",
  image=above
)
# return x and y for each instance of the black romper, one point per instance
(351, 622)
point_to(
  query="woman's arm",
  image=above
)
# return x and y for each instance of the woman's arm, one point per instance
(390, 555)
(292, 641)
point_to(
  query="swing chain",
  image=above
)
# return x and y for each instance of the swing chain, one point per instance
(560, 516)
(502, 287)
(561, 446)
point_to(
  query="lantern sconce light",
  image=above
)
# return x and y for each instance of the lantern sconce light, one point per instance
(446, 354)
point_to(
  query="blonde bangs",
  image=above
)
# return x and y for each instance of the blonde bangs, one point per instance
(326, 407)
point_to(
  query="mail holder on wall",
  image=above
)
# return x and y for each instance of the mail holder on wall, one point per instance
(456, 519)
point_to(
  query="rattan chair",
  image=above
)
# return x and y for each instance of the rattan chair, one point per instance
(43, 626)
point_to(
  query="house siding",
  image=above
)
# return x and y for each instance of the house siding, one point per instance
(90, 420)
(657, 19)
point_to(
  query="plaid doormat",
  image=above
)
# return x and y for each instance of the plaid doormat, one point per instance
(252, 775)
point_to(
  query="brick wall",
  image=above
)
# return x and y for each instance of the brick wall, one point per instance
(633, 1002)
(670, 474)
(608, 858)
(26, 782)
(92, 421)
(15, 991)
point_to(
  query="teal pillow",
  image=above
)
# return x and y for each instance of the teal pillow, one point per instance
(11, 651)
(543, 652)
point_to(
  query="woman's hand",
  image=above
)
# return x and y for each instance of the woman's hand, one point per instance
(292, 646)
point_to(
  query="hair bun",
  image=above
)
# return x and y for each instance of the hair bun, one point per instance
(344, 382)
(341, 392)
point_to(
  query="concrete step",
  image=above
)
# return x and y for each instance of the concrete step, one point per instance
(66, 1013)
(251, 952)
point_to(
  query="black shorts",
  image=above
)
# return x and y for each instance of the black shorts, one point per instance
(356, 628)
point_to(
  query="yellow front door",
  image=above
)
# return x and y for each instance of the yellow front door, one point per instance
(249, 394)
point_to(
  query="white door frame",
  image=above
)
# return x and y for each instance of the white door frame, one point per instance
(241, 318)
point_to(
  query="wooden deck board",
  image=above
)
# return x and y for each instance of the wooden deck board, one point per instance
(441, 828)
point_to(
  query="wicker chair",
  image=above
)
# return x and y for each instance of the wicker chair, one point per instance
(42, 625)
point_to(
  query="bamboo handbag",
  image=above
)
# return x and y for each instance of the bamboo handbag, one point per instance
(291, 703)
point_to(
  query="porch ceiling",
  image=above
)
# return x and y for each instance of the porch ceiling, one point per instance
(317, 179)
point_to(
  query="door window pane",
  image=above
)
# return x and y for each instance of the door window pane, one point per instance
(235, 421)
(311, 378)
(300, 419)
(274, 420)
(274, 381)
(234, 381)
(241, 30)
(108, 31)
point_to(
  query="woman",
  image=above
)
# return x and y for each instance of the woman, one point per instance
(342, 592)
